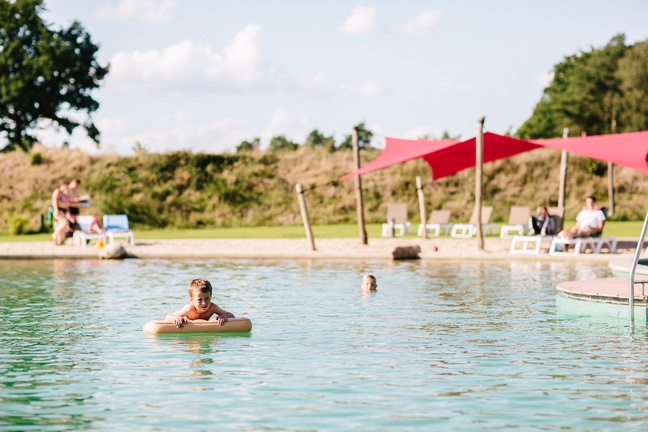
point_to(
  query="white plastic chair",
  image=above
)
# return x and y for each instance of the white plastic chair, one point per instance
(117, 226)
(468, 230)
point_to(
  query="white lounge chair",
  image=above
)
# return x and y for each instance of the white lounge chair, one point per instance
(397, 223)
(518, 222)
(117, 226)
(531, 244)
(581, 244)
(82, 236)
(468, 230)
(438, 222)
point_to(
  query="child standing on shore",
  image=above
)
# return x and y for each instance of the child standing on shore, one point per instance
(200, 306)
(369, 284)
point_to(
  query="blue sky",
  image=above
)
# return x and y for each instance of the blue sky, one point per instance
(203, 75)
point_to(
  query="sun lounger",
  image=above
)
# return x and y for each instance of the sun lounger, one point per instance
(82, 236)
(468, 230)
(117, 226)
(532, 244)
(437, 223)
(397, 223)
(518, 222)
(581, 244)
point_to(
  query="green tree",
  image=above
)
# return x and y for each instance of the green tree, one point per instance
(633, 75)
(364, 138)
(316, 139)
(281, 143)
(44, 74)
(255, 144)
(584, 95)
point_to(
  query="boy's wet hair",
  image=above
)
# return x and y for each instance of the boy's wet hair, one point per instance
(369, 276)
(200, 285)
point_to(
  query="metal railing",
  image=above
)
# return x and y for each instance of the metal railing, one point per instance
(633, 268)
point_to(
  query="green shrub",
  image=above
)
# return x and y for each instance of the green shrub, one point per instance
(18, 224)
(36, 158)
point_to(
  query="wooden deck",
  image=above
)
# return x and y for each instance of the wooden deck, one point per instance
(606, 290)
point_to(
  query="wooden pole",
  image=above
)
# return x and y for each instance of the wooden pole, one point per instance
(479, 161)
(358, 188)
(304, 215)
(421, 198)
(611, 188)
(563, 173)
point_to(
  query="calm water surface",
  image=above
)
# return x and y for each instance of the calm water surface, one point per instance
(449, 346)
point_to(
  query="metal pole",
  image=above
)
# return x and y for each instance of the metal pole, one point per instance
(358, 188)
(421, 198)
(635, 261)
(479, 161)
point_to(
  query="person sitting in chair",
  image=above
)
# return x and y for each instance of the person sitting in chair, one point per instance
(542, 223)
(589, 222)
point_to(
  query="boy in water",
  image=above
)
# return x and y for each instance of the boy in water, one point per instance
(369, 284)
(200, 306)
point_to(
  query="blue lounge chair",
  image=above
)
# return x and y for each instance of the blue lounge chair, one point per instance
(117, 226)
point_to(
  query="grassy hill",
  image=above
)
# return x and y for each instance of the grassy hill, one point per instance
(193, 190)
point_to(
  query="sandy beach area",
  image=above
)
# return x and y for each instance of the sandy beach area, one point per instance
(379, 248)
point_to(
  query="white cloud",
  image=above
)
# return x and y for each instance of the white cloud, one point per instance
(421, 23)
(188, 66)
(368, 89)
(359, 22)
(454, 86)
(312, 82)
(145, 10)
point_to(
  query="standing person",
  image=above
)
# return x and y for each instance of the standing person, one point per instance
(60, 204)
(589, 222)
(73, 195)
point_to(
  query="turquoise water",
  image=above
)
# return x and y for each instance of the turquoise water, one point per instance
(449, 346)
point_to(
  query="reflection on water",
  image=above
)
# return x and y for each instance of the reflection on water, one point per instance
(461, 346)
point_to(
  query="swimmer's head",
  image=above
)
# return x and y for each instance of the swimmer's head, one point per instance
(369, 283)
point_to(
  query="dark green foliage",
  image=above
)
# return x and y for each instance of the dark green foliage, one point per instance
(316, 139)
(44, 74)
(281, 143)
(594, 166)
(597, 92)
(247, 146)
(364, 138)
(36, 158)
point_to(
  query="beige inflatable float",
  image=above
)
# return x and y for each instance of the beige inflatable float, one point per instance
(233, 325)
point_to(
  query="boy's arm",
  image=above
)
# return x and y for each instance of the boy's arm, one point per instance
(179, 317)
(222, 315)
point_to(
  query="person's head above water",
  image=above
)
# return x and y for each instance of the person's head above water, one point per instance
(369, 283)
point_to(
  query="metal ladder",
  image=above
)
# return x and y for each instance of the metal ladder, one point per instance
(631, 276)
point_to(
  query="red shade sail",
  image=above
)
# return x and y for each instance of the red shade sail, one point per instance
(628, 149)
(401, 150)
(448, 157)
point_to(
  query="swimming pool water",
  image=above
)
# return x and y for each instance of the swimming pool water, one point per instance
(441, 345)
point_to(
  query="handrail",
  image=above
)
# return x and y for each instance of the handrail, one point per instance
(633, 268)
